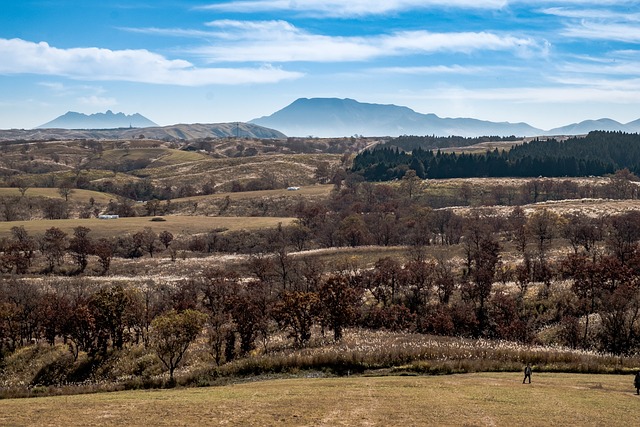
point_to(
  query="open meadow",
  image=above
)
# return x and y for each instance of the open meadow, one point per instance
(484, 399)
(77, 195)
(175, 224)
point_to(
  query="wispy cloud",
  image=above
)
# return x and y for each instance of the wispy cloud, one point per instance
(603, 83)
(599, 14)
(607, 21)
(53, 86)
(347, 8)
(582, 3)
(95, 64)
(626, 92)
(443, 69)
(97, 101)
(604, 66)
(172, 32)
(604, 31)
(280, 41)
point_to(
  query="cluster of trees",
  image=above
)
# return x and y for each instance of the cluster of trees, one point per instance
(597, 154)
(21, 253)
(590, 296)
(234, 313)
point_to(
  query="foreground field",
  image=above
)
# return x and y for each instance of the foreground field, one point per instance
(470, 399)
(175, 224)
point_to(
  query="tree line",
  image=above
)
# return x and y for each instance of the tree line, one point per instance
(597, 154)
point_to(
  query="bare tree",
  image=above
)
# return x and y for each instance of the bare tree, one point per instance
(65, 190)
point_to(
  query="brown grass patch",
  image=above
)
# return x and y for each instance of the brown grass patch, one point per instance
(308, 191)
(79, 196)
(175, 224)
(469, 399)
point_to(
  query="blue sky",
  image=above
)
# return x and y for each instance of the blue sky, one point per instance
(545, 62)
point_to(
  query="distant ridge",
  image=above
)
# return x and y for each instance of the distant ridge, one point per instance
(334, 117)
(107, 120)
(184, 132)
(587, 126)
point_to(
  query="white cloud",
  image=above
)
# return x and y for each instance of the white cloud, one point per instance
(603, 66)
(97, 101)
(621, 93)
(95, 64)
(603, 83)
(587, 3)
(442, 69)
(606, 22)
(346, 8)
(604, 31)
(53, 86)
(280, 41)
(173, 32)
(592, 14)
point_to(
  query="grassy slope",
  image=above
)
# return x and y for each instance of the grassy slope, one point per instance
(311, 190)
(174, 224)
(470, 399)
(81, 196)
(160, 156)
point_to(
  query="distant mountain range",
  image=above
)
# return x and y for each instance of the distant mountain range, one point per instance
(185, 132)
(318, 117)
(333, 117)
(601, 124)
(108, 120)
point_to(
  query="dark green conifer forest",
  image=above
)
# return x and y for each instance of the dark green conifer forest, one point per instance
(599, 153)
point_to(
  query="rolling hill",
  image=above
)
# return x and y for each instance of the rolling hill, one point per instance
(178, 132)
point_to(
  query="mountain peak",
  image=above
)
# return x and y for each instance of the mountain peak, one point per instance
(334, 117)
(106, 120)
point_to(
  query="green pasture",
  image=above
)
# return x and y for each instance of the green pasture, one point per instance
(491, 399)
(175, 224)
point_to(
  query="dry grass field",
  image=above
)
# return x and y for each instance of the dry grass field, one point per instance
(159, 156)
(174, 224)
(308, 191)
(589, 207)
(491, 399)
(78, 196)
(483, 147)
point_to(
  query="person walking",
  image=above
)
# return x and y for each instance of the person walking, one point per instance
(636, 382)
(527, 373)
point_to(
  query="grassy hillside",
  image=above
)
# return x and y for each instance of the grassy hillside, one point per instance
(157, 156)
(223, 164)
(310, 191)
(79, 196)
(469, 399)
